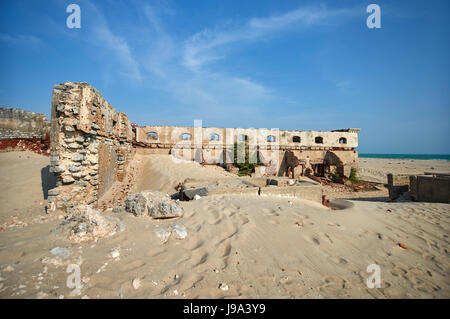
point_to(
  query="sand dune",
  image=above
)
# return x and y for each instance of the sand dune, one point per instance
(160, 172)
(257, 247)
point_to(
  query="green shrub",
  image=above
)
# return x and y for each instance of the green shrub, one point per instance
(353, 175)
(245, 168)
(334, 177)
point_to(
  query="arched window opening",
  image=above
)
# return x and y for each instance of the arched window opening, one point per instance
(213, 137)
(296, 139)
(342, 140)
(152, 135)
(270, 138)
(186, 137)
(319, 140)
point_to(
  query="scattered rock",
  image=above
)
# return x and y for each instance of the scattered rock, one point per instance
(119, 209)
(115, 253)
(136, 204)
(53, 192)
(162, 234)
(60, 252)
(120, 227)
(223, 286)
(8, 269)
(179, 231)
(136, 283)
(190, 193)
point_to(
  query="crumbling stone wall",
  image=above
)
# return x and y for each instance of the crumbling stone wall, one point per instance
(20, 124)
(91, 145)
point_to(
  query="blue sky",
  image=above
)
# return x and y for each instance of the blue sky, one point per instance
(306, 65)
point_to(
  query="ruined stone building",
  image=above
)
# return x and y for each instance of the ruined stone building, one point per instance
(92, 144)
(24, 130)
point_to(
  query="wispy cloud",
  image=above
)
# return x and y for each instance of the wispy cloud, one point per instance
(19, 39)
(183, 68)
(204, 47)
(103, 37)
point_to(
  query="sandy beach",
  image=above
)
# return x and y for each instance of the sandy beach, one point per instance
(237, 246)
(376, 169)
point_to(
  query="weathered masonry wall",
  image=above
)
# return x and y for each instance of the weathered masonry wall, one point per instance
(318, 151)
(20, 124)
(91, 144)
(427, 188)
(169, 136)
(430, 188)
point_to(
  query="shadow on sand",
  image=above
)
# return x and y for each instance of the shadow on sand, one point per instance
(370, 199)
(48, 180)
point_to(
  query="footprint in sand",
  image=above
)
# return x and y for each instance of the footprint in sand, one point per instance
(198, 227)
(397, 271)
(312, 239)
(338, 260)
(333, 284)
(156, 254)
(244, 220)
(224, 249)
(275, 212)
(324, 237)
(316, 241)
(194, 244)
(334, 224)
(215, 221)
(229, 213)
(225, 237)
(199, 259)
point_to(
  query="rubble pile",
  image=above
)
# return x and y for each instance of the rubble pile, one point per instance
(87, 224)
(152, 203)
